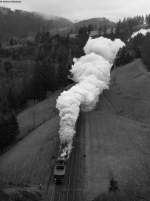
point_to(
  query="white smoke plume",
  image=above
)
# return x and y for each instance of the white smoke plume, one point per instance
(141, 31)
(92, 75)
(104, 47)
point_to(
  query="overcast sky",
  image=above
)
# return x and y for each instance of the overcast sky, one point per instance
(83, 9)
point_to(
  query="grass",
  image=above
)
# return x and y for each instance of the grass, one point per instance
(27, 165)
(20, 194)
(36, 115)
(117, 138)
(31, 160)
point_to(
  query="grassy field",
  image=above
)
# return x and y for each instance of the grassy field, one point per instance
(118, 148)
(130, 91)
(31, 160)
(36, 115)
(118, 138)
(27, 166)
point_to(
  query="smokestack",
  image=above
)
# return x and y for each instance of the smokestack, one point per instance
(92, 75)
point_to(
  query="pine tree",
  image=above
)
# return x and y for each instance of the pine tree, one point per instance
(8, 128)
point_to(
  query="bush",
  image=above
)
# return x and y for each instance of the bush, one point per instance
(137, 47)
(124, 56)
(8, 129)
(145, 51)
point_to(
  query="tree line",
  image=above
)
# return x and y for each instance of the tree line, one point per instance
(137, 47)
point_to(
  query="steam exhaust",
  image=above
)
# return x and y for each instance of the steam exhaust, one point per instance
(91, 73)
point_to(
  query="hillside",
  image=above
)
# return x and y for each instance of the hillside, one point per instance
(39, 124)
(36, 115)
(117, 143)
(96, 22)
(21, 24)
(112, 142)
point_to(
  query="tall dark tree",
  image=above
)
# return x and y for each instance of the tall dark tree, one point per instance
(145, 51)
(8, 124)
(147, 19)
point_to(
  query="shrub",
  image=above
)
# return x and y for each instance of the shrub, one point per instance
(145, 51)
(8, 129)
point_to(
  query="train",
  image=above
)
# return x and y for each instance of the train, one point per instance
(59, 170)
(61, 163)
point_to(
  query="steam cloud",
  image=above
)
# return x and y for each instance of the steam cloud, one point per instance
(92, 75)
(141, 31)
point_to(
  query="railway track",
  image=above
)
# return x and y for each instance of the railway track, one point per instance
(72, 188)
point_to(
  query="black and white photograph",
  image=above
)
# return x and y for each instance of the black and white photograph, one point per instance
(74, 100)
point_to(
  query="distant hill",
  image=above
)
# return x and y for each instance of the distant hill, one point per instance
(20, 23)
(96, 22)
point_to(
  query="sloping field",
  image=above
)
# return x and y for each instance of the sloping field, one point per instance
(118, 148)
(118, 138)
(130, 91)
(25, 169)
(34, 116)
(31, 160)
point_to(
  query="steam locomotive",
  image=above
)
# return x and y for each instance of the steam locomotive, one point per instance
(59, 170)
(60, 164)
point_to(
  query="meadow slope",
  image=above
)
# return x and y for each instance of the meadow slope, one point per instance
(117, 138)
